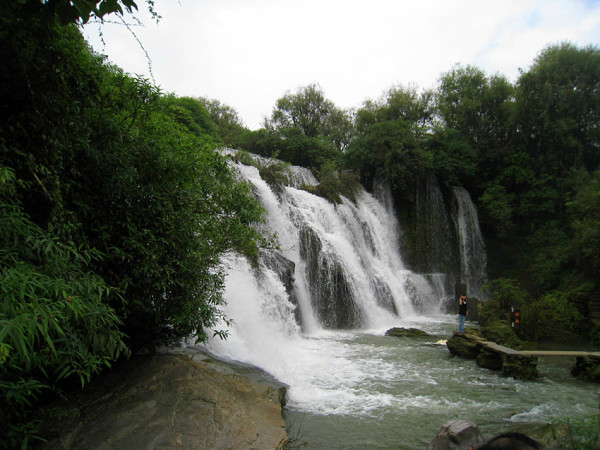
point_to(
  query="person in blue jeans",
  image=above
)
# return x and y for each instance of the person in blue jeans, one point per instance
(462, 313)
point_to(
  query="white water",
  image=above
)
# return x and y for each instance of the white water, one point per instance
(473, 265)
(356, 388)
(360, 237)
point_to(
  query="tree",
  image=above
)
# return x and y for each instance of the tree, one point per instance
(392, 149)
(315, 116)
(79, 11)
(398, 103)
(192, 114)
(585, 223)
(480, 108)
(391, 139)
(114, 212)
(230, 126)
(559, 109)
(454, 159)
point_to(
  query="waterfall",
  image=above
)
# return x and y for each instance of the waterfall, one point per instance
(435, 237)
(348, 272)
(337, 269)
(473, 260)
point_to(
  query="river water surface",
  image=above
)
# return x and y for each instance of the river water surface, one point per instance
(365, 390)
(361, 389)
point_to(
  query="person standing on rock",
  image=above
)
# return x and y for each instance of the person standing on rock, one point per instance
(462, 313)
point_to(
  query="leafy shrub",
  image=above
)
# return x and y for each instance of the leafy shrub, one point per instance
(334, 184)
(54, 324)
(114, 212)
(577, 435)
(549, 317)
(504, 294)
(244, 157)
(502, 333)
(275, 173)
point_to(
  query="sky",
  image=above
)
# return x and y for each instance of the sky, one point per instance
(249, 53)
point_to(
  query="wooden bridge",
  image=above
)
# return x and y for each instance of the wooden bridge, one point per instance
(509, 351)
(520, 364)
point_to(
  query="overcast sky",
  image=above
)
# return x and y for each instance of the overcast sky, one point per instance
(249, 53)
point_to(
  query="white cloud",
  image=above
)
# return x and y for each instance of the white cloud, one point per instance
(248, 53)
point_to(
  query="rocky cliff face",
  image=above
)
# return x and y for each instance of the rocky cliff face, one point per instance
(172, 401)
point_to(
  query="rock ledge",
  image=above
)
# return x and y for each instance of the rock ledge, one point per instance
(172, 401)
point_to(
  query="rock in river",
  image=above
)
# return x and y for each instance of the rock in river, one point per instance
(406, 332)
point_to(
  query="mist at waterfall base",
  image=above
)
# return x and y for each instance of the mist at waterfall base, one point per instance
(349, 386)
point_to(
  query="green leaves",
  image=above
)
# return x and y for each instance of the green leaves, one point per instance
(114, 212)
(54, 322)
(80, 11)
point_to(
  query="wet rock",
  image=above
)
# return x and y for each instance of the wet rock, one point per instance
(587, 368)
(489, 359)
(170, 401)
(463, 345)
(331, 294)
(406, 332)
(456, 434)
(520, 367)
(282, 266)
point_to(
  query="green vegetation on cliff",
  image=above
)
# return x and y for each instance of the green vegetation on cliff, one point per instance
(114, 211)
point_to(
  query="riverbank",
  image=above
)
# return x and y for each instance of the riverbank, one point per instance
(180, 399)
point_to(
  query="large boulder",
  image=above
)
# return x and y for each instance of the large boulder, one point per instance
(465, 345)
(457, 434)
(406, 332)
(489, 359)
(520, 367)
(171, 401)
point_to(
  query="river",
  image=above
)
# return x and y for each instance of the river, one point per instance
(365, 390)
(361, 389)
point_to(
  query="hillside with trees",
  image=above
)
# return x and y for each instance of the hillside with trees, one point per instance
(528, 152)
(115, 209)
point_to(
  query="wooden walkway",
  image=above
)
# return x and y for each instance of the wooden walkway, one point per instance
(520, 364)
(509, 351)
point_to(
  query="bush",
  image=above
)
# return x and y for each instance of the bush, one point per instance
(549, 317)
(577, 435)
(54, 324)
(334, 184)
(505, 293)
(114, 213)
(275, 173)
(502, 333)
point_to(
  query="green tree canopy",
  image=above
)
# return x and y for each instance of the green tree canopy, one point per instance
(313, 114)
(559, 109)
(230, 126)
(114, 212)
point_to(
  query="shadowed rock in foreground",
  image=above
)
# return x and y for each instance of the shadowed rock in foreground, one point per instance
(171, 401)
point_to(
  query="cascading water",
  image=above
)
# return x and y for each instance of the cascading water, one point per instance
(473, 260)
(347, 274)
(313, 313)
